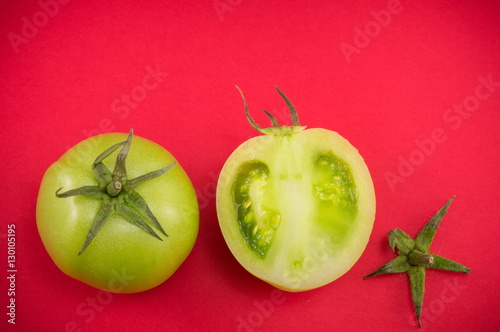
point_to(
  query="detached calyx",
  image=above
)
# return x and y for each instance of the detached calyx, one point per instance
(117, 193)
(414, 257)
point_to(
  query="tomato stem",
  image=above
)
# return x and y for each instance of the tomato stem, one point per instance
(114, 188)
(419, 258)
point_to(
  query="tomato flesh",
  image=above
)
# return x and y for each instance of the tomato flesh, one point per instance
(296, 210)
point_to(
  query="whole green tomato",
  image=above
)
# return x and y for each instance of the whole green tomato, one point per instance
(126, 230)
(296, 207)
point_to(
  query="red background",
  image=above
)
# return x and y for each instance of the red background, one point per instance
(64, 79)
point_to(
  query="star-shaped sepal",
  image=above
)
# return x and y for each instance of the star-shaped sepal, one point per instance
(414, 257)
(117, 194)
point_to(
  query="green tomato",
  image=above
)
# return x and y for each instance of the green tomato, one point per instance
(296, 207)
(126, 230)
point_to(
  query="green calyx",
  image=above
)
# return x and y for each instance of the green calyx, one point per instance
(414, 257)
(117, 194)
(276, 129)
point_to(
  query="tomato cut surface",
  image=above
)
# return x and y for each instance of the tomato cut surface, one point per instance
(296, 209)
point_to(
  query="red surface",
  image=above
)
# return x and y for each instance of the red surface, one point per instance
(405, 83)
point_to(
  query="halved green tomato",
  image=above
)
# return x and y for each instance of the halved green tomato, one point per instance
(296, 207)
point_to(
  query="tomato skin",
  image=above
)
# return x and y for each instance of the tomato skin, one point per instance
(306, 250)
(121, 258)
